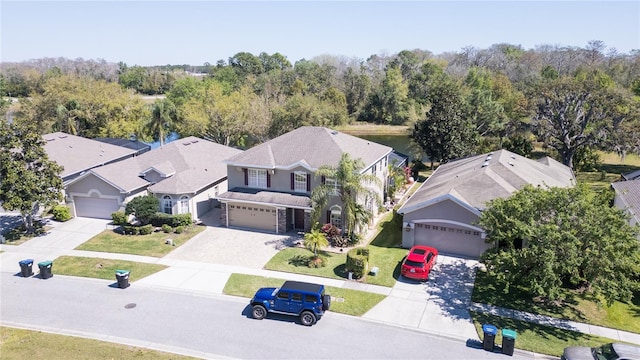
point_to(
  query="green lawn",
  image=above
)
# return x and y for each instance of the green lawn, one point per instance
(622, 316)
(147, 245)
(102, 268)
(536, 338)
(346, 301)
(27, 344)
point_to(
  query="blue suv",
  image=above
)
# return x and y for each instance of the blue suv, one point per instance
(306, 300)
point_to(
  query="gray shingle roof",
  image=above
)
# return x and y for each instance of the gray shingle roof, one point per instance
(267, 197)
(77, 154)
(197, 163)
(629, 192)
(311, 147)
(478, 179)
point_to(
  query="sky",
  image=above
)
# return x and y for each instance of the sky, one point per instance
(149, 33)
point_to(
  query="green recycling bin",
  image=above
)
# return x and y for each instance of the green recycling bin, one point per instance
(122, 276)
(508, 341)
(45, 269)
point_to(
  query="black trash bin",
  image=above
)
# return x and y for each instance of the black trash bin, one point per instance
(489, 338)
(508, 341)
(45, 269)
(123, 278)
(26, 267)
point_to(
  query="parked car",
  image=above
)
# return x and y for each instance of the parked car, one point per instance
(611, 351)
(419, 262)
(305, 300)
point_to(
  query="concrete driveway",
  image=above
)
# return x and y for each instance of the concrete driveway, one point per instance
(439, 305)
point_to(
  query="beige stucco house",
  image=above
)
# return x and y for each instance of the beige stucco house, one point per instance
(270, 184)
(444, 211)
(185, 175)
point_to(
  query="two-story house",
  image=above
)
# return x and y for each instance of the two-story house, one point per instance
(271, 183)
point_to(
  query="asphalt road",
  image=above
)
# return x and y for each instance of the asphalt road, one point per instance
(208, 326)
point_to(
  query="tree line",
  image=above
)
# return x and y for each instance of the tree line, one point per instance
(572, 99)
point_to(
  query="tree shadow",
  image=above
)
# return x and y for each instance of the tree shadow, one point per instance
(617, 168)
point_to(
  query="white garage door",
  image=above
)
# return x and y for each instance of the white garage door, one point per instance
(252, 216)
(95, 207)
(450, 239)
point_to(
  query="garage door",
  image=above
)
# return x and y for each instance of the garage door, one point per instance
(450, 239)
(95, 207)
(252, 216)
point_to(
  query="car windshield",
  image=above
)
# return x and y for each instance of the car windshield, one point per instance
(419, 251)
(414, 264)
(605, 352)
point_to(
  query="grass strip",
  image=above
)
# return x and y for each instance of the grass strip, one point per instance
(346, 301)
(102, 268)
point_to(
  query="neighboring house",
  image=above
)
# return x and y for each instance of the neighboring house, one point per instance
(185, 175)
(633, 175)
(131, 143)
(627, 198)
(77, 154)
(444, 211)
(271, 183)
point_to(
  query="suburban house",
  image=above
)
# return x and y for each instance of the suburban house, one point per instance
(185, 175)
(633, 175)
(627, 198)
(443, 212)
(270, 184)
(77, 154)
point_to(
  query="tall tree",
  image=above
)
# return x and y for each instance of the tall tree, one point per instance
(561, 238)
(29, 181)
(163, 118)
(445, 133)
(353, 188)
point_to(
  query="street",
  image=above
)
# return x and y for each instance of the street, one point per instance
(213, 326)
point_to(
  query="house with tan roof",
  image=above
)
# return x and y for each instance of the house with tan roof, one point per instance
(444, 211)
(185, 175)
(270, 184)
(627, 199)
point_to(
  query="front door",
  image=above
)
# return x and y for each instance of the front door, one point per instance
(298, 218)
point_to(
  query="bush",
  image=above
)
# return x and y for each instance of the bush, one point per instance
(159, 219)
(167, 228)
(61, 213)
(130, 230)
(317, 262)
(357, 261)
(143, 207)
(179, 230)
(182, 220)
(119, 218)
(145, 230)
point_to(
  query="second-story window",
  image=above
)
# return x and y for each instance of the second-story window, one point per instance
(257, 178)
(333, 184)
(300, 181)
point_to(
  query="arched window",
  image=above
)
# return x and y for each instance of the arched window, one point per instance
(183, 205)
(167, 204)
(336, 216)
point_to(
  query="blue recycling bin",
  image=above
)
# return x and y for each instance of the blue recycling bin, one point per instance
(26, 267)
(489, 331)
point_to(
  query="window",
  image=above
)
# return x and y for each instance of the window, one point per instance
(216, 191)
(336, 217)
(310, 299)
(300, 181)
(183, 205)
(283, 295)
(332, 183)
(257, 178)
(296, 296)
(167, 204)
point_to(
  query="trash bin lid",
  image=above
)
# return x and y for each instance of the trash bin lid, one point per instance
(508, 333)
(489, 329)
(25, 261)
(45, 263)
(122, 272)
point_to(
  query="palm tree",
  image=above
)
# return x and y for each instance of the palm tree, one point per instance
(315, 239)
(163, 117)
(353, 190)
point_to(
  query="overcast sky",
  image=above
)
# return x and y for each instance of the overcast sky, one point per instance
(195, 32)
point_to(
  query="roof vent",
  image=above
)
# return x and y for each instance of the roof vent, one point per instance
(186, 143)
(513, 156)
(62, 136)
(50, 139)
(333, 132)
(488, 157)
(194, 141)
(510, 163)
(486, 163)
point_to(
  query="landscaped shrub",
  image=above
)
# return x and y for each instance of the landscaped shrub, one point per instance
(182, 220)
(119, 218)
(317, 262)
(179, 230)
(159, 219)
(61, 213)
(357, 261)
(145, 230)
(167, 228)
(130, 230)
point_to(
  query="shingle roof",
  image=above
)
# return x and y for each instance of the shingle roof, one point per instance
(311, 147)
(267, 197)
(478, 179)
(77, 154)
(629, 192)
(632, 175)
(196, 162)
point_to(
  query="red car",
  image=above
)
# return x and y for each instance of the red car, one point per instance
(419, 262)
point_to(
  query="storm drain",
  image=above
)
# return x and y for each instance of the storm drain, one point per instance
(130, 306)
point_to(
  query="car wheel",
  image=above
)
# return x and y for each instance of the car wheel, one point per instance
(326, 302)
(258, 312)
(307, 318)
